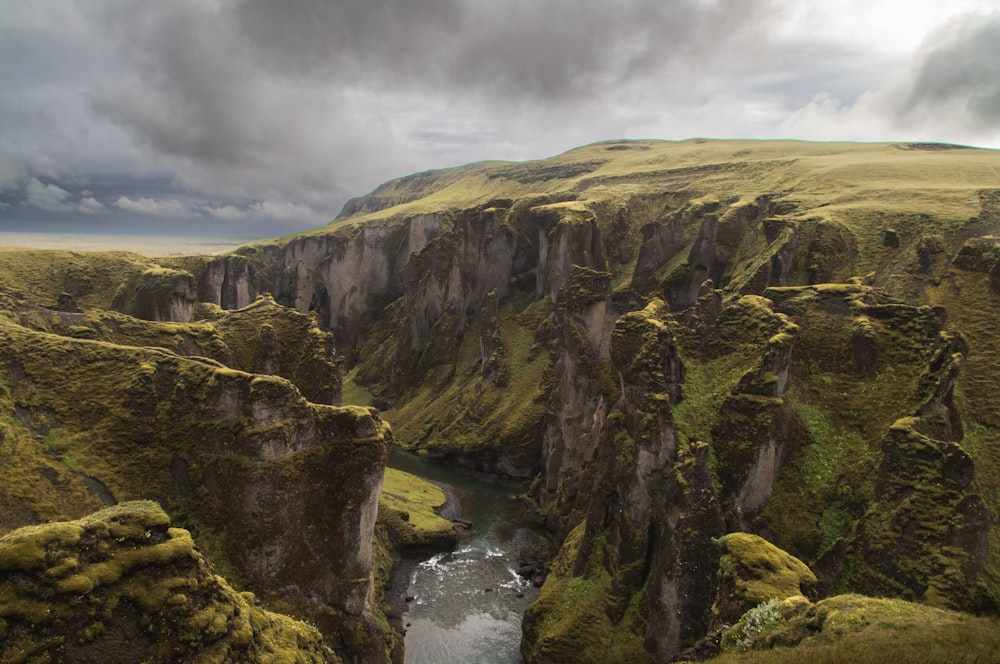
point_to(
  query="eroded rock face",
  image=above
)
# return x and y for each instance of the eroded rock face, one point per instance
(754, 422)
(577, 403)
(122, 585)
(158, 294)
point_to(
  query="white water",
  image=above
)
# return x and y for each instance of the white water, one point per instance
(466, 607)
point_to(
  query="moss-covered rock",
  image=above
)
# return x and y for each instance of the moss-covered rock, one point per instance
(122, 585)
(855, 628)
(752, 571)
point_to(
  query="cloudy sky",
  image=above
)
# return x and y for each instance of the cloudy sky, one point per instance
(257, 118)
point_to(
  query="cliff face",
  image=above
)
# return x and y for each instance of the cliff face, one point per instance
(804, 291)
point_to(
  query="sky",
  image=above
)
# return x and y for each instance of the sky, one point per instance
(259, 118)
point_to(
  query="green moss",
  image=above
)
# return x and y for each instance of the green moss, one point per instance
(759, 571)
(91, 278)
(355, 393)
(463, 414)
(569, 618)
(408, 510)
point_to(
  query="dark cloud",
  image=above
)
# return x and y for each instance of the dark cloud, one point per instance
(960, 74)
(547, 50)
(261, 114)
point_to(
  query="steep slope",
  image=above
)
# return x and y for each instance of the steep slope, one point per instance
(281, 493)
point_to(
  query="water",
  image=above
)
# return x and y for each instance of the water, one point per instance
(453, 618)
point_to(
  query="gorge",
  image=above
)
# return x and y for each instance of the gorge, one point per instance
(726, 372)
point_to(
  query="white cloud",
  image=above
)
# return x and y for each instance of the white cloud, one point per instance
(91, 205)
(227, 212)
(168, 208)
(282, 211)
(53, 198)
(47, 196)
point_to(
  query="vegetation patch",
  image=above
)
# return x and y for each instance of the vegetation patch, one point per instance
(408, 509)
(122, 585)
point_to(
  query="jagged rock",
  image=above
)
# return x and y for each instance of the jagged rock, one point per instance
(981, 254)
(926, 536)
(579, 399)
(491, 348)
(929, 248)
(121, 585)
(67, 303)
(754, 422)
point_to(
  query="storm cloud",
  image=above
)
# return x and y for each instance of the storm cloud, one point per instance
(257, 117)
(959, 74)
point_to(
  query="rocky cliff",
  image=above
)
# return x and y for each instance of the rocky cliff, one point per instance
(122, 585)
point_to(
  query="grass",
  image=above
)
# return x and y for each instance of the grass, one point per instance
(355, 393)
(408, 508)
(845, 178)
(91, 277)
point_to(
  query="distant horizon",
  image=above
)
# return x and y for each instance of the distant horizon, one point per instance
(151, 245)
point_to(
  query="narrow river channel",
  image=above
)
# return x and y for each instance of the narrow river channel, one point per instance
(467, 604)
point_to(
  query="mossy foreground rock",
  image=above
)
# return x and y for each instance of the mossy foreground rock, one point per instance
(855, 628)
(122, 586)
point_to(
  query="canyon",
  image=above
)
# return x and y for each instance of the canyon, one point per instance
(693, 354)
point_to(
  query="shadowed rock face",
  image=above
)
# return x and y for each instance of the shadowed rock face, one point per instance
(158, 294)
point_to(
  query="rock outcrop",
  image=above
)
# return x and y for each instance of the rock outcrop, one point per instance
(158, 294)
(122, 585)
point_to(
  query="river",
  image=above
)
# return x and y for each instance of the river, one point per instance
(467, 604)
